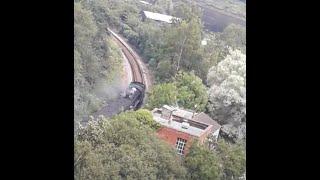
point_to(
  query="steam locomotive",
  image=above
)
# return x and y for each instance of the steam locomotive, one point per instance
(131, 99)
(135, 95)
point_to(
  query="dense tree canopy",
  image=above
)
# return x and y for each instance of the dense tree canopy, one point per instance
(201, 163)
(233, 158)
(235, 36)
(182, 44)
(225, 162)
(84, 60)
(185, 90)
(227, 93)
(96, 59)
(192, 93)
(122, 148)
(144, 116)
(162, 94)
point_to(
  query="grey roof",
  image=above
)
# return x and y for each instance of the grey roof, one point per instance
(178, 126)
(204, 118)
(183, 113)
(159, 17)
(169, 108)
(188, 115)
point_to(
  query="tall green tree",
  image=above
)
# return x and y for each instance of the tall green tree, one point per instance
(227, 93)
(162, 94)
(235, 36)
(144, 116)
(192, 93)
(185, 90)
(183, 42)
(233, 158)
(202, 163)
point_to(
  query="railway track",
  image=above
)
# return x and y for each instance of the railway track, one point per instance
(137, 72)
(138, 75)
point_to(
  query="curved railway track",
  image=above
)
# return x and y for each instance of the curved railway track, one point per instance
(138, 75)
(137, 72)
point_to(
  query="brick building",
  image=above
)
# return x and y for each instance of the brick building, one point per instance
(181, 127)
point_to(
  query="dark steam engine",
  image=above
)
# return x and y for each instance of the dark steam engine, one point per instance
(135, 95)
(131, 99)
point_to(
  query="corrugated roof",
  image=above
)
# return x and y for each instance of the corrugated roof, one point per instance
(159, 17)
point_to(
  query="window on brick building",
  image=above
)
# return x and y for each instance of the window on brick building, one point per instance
(180, 145)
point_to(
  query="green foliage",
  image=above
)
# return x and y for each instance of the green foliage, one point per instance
(168, 48)
(123, 149)
(96, 59)
(212, 54)
(186, 90)
(144, 116)
(233, 158)
(235, 36)
(192, 94)
(227, 161)
(183, 43)
(162, 94)
(201, 163)
(164, 71)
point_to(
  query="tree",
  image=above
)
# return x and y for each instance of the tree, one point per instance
(164, 70)
(201, 163)
(120, 148)
(192, 94)
(186, 90)
(227, 93)
(233, 158)
(84, 61)
(144, 116)
(235, 36)
(212, 53)
(96, 58)
(162, 94)
(182, 43)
